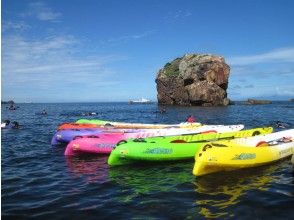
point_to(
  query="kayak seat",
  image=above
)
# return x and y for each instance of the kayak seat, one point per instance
(178, 141)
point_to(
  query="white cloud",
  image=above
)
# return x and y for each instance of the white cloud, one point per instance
(285, 91)
(14, 26)
(278, 55)
(127, 38)
(42, 12)
(51, 63)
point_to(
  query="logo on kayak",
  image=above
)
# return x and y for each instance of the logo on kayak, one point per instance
(104, 145)
(158, 150)
(286, 151)
(244, 156)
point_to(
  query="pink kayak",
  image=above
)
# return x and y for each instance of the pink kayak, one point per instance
(105, 142)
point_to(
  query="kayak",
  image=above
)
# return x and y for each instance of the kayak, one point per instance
(93, 121)
(67, 135)
(78, 126)
(104, 143)
(174, 148)
(244, 152)
(137, 125)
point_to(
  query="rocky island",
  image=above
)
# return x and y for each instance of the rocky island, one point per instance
(194, 79)
(258, 102)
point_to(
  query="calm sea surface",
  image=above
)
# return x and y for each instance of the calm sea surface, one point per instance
(38, 182)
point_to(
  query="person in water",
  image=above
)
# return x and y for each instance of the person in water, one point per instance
(44, 112)
(89, 113)
(191, 119)
(280, 124)
(12, 107)
(7, 125)
(162, 111)
(15, 125)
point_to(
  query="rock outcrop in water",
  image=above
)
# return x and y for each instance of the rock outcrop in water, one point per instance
(258, 102)
(11, 102)
(194, 79)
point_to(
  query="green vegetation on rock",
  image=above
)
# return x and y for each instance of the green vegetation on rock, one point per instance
(172, 69)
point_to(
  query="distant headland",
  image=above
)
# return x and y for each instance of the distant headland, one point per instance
(10, 102)
(258, 102)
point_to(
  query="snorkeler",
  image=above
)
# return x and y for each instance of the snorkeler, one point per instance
(89, 113)
(280, 124)
(15, 125)
(191, 119)
(11, 107)
(7, 125)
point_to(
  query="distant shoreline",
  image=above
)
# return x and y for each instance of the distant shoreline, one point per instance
(153, 102)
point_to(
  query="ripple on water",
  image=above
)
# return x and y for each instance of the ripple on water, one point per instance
(39, 182)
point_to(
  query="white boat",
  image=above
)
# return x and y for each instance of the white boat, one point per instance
(139, 101)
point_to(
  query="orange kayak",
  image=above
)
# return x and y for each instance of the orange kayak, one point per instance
(77, 126)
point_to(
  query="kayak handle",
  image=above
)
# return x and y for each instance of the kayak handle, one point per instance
(121, 142)
(256, 133)
(139, 140)
(206, 146)
(77, 137)
(92, 136)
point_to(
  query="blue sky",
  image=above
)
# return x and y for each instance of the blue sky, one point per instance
(94, 50)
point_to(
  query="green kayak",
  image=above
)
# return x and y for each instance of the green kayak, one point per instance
(171, 148)
(138, 125)
(92, 121)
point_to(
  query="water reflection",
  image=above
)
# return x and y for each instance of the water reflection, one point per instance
(164, 177)
(224, 190)
(93, 169)
(143, 183)
(145, 186)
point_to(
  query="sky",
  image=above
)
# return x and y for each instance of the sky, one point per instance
(111, 50)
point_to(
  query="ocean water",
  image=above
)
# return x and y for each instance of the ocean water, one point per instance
(38, 182)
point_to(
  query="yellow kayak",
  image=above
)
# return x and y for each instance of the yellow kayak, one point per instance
(243, 152)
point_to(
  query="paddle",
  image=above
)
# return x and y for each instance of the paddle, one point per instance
(274, 142)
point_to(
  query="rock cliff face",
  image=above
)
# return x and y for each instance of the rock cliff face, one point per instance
(194, 79)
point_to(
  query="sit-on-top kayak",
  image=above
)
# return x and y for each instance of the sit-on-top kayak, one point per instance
(104, 143)
(137, 125)
(67, 135)
(243, 153)
(159, 149)
(64, 126)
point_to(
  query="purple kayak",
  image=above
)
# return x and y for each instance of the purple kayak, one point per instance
(65, 136)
